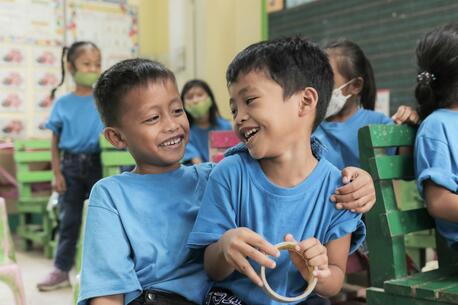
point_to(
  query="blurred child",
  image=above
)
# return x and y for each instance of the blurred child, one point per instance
(76, 127)
(436, 145)
(352, 104)
(138, 222)
(203, 115)
(276, 190)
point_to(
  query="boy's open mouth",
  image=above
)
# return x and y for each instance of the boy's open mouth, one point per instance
(172, 141)
(248, 133)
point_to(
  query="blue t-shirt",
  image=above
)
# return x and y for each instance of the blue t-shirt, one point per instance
(77, 122)
(436, 159)
(198, 140)
(136, 232)
(340, 139)
(239, 194)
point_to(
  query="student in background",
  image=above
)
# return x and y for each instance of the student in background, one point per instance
(202, 110)
(436, 144)
(352, 104)
(76, 127)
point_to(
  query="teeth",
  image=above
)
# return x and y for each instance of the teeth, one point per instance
(172, 141)
(250, 132)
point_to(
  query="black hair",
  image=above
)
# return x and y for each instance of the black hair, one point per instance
(294, 63)
(118, 80)
(437, 60)
(70, 54)
(352, 63)
(214, 112)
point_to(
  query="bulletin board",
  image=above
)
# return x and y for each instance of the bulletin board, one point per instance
(30, 53)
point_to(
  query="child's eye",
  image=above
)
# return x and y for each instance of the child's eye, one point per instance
(152, 119)
(250, 100)
(234, 112)
(178, 111)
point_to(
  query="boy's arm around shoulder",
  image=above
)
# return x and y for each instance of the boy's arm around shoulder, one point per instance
(107, 265)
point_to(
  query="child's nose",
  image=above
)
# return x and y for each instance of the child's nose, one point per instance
(171, 124)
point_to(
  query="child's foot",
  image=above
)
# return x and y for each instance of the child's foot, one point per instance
(54, 280)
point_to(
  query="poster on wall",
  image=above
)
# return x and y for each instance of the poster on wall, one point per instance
(382, 101)
(111, 25)
(35, 22)
(12, 127)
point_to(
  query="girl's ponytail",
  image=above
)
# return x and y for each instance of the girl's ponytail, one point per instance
(62, 63)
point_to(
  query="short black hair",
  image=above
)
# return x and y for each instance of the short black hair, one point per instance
(214, 112)
(437, 60)
(352, 63)
(294, 63)
(118, 80)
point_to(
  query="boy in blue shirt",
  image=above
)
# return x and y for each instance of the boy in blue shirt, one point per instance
(138, 222)
(276, 190)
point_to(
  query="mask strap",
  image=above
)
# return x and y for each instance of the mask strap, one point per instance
(346, 84)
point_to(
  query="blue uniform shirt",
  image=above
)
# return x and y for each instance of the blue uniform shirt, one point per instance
(77, 122)
(340, 139)
(436, 159)
(239, 194)
(136, 232)
(198, 140)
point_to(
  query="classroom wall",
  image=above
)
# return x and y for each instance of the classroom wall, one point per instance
(387, 31)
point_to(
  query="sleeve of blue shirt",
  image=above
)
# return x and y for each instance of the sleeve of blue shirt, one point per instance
(345, 222)
(432, 162)
(107, 267)
(55, 121)
(216, 214)
(191, 152)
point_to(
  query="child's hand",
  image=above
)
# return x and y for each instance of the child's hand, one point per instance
(358, 193)
(238, 244)
(406, 114)
(59, 184)
(315, 254)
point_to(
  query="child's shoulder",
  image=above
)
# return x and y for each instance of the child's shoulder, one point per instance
(374, 117)
(438, 123)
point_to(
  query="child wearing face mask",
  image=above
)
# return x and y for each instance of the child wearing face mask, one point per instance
(76, 127)
(202, 111)
(352, 104)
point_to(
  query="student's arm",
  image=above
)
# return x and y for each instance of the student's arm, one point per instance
(230, 253)
(406, 115)
(117, 299)
(330, 262)
(441, 202)
(358, 192)
(59, 180)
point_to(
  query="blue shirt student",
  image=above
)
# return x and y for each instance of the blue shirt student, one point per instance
(240, 195)
(198, 140)
(76, 120)
(136, 232)
(340, 139)
(436, 159)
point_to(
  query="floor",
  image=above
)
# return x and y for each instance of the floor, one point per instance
(34, 267)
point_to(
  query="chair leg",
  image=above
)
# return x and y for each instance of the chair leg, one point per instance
(11, 275)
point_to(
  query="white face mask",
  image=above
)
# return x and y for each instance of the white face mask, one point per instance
(337, 101)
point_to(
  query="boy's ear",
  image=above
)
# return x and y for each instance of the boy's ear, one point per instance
(355, 87)
(308, 102)
(115, 137)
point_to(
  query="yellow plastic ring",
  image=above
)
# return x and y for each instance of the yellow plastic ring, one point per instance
(311, 280)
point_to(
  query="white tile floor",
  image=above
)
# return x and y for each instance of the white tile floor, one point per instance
(34, 266)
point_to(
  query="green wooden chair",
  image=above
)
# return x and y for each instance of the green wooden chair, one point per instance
(79, 255)
(112, 159)
(35, 222)
(10, 272)
(388, 225)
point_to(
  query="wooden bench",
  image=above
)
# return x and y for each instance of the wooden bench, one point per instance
(32, 158)
(388, 225)
(112, 159)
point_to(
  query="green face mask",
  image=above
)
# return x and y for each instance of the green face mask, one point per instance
(200, 109)
(86, 79)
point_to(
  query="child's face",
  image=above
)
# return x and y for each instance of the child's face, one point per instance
(267, 123)
(88, 60)
(195, 95)
(154, 126)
